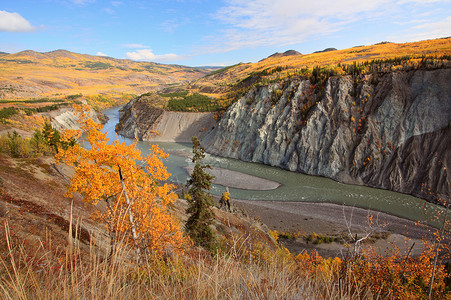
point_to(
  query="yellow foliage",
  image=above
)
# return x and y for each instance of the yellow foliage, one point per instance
(226, 196)
(97, 179)
(275, 235)
(290, 65)
(79, 74)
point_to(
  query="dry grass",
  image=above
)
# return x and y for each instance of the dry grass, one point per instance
(71, 273)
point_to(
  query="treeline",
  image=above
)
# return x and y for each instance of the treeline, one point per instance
(195, 103)
(47, 108)
(8, 112)
(403, 63)
(39, 100)
(45, 141)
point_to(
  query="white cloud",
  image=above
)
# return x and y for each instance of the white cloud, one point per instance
(170, 25)
(134, 46)
(423, 1)
(268, 22)
(428, 30)
(253, 23)
(148, 55)
(13, 22)
(101, 54)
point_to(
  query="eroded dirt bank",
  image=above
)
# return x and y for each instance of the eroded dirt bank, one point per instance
(139, 119)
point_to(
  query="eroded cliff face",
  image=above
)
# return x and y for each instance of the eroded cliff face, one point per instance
(136, 119)
(390, 131)
(141, 120)
(66, 118)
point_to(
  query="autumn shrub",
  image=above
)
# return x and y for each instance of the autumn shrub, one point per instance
(138, 204)
(395, 275)
(71, 273)
(243, 269)
(43, 142)
(14, 145)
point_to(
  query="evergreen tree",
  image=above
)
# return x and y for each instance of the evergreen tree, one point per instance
(54, 139)
(51, 136)
(200, 205)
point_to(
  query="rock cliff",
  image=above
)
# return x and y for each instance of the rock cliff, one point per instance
(142, 120)
(389, 131)
(66, 118)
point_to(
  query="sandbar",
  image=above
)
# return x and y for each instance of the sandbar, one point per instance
(238, 180)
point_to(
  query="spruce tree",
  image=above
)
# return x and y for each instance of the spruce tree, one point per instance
(200, 205)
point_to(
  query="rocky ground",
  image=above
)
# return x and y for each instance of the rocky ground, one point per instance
(326, 219)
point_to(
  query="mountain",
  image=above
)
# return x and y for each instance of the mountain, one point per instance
(30, 74)
(326, 50)
(286, 53)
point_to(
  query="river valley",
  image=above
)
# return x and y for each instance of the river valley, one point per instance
(294, 187)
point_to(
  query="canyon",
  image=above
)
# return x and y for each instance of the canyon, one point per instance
(387, 130)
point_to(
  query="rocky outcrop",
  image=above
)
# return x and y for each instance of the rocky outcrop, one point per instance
(389, 131)
(142, 120)
(66, 118)
(137, 118)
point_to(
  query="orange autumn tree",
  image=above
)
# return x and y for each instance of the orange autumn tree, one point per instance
(137, 204)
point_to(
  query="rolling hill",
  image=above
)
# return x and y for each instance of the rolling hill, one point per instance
(230, 82)
(30, 74)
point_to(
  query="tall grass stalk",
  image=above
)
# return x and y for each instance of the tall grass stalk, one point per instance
(83, 272)
(242, 270)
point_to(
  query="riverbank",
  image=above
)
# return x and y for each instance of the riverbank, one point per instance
(327, 219)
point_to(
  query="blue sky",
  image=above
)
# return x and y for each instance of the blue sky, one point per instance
(204, 32)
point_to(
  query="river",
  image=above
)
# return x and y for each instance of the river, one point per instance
(294, 186)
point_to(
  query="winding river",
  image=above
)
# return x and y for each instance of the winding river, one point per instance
(294, 186)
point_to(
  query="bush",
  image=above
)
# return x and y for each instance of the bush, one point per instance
(43, 142)
(194, 102)
(14, 145)
(7, 112)
(97, 65)
(73, 97)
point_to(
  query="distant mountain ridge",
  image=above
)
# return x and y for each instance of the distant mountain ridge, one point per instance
(30, 74)
(231, 81)
(286, 53)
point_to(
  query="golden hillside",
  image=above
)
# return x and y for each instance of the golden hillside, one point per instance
(30, 74)
(279, 66)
